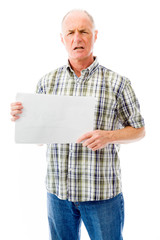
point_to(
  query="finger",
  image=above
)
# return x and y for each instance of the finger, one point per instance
(84, 137)
(16, 103)
(14, 113)
(90, 141)
(17, 107)
(93, 144)
(96, 147)
(93, 148)
(15, 118)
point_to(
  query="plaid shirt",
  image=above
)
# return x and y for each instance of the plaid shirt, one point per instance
(75, 172)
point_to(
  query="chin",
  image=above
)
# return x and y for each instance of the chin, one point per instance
(80, 56)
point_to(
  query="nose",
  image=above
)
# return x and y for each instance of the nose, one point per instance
(77, 37)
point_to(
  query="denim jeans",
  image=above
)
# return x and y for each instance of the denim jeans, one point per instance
(103, 220)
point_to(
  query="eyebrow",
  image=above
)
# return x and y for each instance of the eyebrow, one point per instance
(80, 30)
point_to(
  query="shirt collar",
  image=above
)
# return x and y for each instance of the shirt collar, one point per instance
(89, 69)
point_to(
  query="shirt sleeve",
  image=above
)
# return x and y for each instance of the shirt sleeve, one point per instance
(45, 82)
(42, 85)
(39, 87)
(129, 108)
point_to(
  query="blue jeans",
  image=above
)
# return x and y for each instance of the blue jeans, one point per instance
(103, 219)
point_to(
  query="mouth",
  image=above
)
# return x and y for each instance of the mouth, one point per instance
(76, 48)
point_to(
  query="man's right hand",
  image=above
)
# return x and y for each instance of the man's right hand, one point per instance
(16, 109)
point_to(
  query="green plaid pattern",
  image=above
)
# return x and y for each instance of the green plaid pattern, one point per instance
(75, 172)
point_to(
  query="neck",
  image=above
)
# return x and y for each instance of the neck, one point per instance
(78, 64)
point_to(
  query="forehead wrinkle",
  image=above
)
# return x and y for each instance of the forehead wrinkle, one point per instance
(73, 21)
(78, 29)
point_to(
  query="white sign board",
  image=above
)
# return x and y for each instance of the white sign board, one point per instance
(53, 119)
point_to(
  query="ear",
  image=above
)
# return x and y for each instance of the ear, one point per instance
(61, 36)
(95, 35)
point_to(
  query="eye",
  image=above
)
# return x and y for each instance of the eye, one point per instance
(84, 32)
(70, 33)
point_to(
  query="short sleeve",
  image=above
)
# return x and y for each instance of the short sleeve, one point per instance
(39, 87)
(129, 108)
(46, 82)
(42, 85)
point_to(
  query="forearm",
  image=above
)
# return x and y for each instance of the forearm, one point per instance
(99, 139)
(127, 135)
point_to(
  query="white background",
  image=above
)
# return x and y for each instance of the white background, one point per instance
(128, 43)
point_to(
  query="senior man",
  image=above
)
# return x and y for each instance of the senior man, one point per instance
(84, 178)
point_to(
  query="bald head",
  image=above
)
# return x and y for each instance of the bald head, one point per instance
(78, 12)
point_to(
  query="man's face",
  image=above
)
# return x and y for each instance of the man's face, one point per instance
(78, 36)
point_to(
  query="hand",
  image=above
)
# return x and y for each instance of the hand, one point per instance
(96, 139)
(16, 108)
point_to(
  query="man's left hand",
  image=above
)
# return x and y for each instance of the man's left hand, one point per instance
(96, 139)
